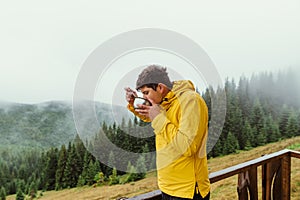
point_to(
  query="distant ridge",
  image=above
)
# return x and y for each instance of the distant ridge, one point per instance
(47, 124)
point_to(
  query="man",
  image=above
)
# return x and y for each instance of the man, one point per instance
(179, 117)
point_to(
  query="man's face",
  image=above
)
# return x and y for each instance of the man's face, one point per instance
(154, 95)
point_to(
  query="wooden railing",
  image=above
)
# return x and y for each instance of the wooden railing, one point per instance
(276, 177)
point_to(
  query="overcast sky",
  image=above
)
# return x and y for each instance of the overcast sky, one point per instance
(43, 44)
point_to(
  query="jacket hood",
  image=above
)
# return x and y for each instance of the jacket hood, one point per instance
(178, 88)
(182, 86)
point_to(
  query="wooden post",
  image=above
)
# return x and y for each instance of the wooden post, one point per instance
(271, 172)
(247, 184)
(286, 177)
(242, 188)
(276, 179)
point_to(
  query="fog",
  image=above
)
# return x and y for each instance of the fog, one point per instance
(44, 44)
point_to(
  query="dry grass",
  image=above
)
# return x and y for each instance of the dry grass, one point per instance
(227, 188)
(222, 190)
(105, 192)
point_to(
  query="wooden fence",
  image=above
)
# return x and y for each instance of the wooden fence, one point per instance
(276, 177)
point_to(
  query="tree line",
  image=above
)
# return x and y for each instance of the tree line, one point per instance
(72, 165)
(259, 110)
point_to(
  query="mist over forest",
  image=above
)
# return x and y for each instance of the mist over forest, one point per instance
(44, 125)
(261, 109)
(40, 144)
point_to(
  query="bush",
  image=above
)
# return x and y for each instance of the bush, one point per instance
(114, 178)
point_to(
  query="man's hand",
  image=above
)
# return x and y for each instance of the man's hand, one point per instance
(130, 95)
(149, 111)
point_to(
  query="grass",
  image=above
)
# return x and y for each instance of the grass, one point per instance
(222, 190)
(294, 146)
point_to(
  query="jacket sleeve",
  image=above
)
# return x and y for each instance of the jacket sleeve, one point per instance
(187, 138)
(131, 108)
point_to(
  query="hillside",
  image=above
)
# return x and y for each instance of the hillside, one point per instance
(44, 125)
(225, 189)
(36, 153)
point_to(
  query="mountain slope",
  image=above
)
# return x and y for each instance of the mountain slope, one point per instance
(45, 125)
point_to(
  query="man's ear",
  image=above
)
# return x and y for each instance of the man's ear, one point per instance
(161, 87)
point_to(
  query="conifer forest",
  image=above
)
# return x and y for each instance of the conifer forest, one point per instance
(262, 109)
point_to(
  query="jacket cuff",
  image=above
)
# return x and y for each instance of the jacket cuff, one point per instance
(130, 107)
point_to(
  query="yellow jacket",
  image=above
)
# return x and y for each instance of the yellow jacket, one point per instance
(181, 133)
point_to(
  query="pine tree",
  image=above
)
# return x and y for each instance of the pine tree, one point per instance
(32, 191)
(2, 193)
(237, 127)
(261, 137)
(249, 132)
(20, 195)
(61, 165)
(243, 97)
(135, 121)
(216, 123)
(230, 107)
(81, 181)
(298, 120)
(283, 121)
(246, 136)
(4, 174)
(84, 176)
(111, 163)
(42, 171)
(12, 187)
(257, 124)
(123, 142)
(93, 169)
(131, 173)
(123, 124)
(147, 156)
(50, 169)
(21, 185)
(80, 150)
(113, 178)
(217, 149)
(22, 172)
(141, 167)
(72, 170)
(153, 163)
(207, 98)
(231, 144)
(272, 130)
(292, 126)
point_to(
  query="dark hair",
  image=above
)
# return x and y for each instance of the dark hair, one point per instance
(151, 85)
(153, 74)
